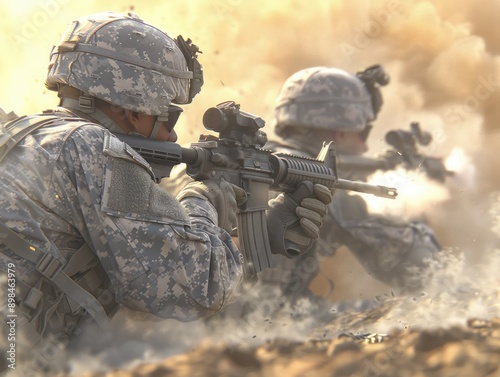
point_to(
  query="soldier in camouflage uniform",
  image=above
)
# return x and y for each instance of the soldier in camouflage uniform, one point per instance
(83, 223)
(322, 104)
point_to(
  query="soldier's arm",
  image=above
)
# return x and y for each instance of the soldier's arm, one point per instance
(161, 257)
(385, 246)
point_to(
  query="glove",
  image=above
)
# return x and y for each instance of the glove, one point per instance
(224, 196)
(294, 220)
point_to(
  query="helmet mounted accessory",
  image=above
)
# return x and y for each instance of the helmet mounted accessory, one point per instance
(190, 52)
(374, 77)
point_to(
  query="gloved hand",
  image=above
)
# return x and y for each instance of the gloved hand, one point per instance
(294, 220)
(224, 196)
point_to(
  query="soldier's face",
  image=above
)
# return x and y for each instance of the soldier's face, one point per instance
(144, 123)
(353, 143)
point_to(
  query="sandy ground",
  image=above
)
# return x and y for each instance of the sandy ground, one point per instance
(472, 350)
(450, 329)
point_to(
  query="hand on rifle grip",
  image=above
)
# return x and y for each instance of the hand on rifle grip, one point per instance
(294, 220)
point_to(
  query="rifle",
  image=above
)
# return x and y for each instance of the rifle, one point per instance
(404, 152)
(236, 155)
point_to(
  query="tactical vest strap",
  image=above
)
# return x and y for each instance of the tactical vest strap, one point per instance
(53, 270)
(11, 133)
(81, 258)
(14, 131)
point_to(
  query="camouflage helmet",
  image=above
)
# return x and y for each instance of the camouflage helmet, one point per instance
(323, 98)
(126, 62)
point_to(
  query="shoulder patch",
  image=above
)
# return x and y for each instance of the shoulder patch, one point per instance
(131, 193)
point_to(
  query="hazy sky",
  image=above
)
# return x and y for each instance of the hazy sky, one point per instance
(442, 55)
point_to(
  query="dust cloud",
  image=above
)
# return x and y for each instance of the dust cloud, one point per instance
(443, 57)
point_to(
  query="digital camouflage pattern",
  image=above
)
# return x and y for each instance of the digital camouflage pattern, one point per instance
(82, 199)
(386, 247)
(121, 60)
(323, 98)
(72, 183)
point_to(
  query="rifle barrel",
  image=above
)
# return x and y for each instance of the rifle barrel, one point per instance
(381, 191)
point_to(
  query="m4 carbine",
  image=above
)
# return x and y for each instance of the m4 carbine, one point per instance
(404, 153)
(236, 155)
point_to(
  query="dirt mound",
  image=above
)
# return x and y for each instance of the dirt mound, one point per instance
(471, 350)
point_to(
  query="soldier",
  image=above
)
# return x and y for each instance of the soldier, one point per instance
(84, 226)
(322, 104)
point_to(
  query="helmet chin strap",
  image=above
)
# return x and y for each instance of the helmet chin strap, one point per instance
(86, 105)
(156, 128)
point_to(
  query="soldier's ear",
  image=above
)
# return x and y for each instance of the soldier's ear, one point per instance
(133, 118)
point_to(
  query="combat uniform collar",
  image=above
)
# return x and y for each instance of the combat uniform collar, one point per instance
(73, 106)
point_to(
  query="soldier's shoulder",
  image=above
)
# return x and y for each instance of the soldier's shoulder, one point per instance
(77, 130)
(53, 122)
(62, 131)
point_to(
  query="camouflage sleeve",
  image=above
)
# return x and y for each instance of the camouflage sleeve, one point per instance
(387, 247)
(161, 258)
